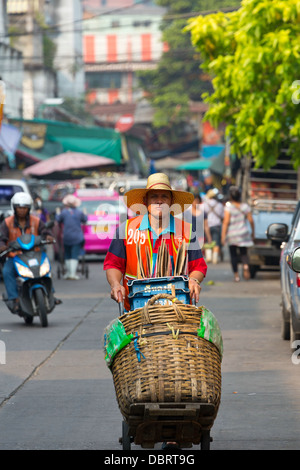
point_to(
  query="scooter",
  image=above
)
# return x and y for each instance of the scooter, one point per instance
(34, 283)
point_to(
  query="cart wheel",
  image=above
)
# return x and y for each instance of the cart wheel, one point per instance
(205, 440)
(86, 272)
(126, 441)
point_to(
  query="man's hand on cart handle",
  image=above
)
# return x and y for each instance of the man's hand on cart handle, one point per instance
(194, 286)
(117, 293)
(121, 308)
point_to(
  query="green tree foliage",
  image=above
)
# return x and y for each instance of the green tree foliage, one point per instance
(178, 80)
(253, 56)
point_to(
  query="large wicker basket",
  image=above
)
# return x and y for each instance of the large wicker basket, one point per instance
(167, 361)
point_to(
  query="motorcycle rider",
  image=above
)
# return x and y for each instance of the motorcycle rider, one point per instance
(12, 227)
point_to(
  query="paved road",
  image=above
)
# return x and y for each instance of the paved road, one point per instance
(57, 393)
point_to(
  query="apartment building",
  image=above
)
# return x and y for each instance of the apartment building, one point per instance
(119, 39)
(11, 67)
(48, 33)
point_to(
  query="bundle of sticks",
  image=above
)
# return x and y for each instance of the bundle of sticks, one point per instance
(163, 262)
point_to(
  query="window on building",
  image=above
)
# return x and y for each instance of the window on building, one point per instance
(137, 24)
(110, 80)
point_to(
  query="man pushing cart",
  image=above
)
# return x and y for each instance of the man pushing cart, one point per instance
(158, 348)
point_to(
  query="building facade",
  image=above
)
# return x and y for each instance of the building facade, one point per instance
(68, 62)
(119, 39)
(11, 68)
(46, 33)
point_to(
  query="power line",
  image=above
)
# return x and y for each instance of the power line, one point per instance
(99, 58)
(53, 29)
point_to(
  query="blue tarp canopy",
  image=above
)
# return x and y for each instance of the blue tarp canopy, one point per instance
(198, 164)
(208, 151)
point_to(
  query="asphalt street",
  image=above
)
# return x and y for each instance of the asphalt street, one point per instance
(56, 392)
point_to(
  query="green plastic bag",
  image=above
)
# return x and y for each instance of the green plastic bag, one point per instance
(115, 338)
(209, 245)
(210, 330)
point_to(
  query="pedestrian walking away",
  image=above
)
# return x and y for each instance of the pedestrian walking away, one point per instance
(73, 238)
(236, 232)
(196, 216)
(214, 210)
(158, 205)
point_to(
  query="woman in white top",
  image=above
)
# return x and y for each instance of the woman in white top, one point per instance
(235, 231)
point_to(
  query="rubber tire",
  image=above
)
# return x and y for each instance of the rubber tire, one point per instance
(40, 302)
(293, 336)
(285, 325)
(126, 441)
(253, 270)
(205, 440)
(28, 319)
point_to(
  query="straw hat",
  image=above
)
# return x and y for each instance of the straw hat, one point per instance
(181, 199)
(212, 193)
(71, 201)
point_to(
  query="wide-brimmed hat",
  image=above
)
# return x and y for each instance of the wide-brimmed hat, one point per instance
(71, 201)
(212, 193)
(159, 181)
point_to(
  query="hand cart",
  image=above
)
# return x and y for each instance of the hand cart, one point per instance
(167, 375)
(186, 424)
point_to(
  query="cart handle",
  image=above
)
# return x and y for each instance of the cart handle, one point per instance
(121, 308)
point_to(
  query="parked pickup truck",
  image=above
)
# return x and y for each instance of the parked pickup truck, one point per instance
(273, 196)
(265, 253)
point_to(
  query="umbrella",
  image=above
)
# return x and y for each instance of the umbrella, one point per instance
(67, 161)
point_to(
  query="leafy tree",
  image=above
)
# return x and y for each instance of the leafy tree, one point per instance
(177, 79)
(253, 56)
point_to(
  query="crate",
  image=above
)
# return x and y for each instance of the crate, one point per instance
(141, 290)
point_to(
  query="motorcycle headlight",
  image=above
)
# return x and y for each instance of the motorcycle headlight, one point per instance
(23, 270)
(45, 267)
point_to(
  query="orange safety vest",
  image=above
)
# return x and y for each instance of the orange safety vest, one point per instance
(133, 236)
(15, 232)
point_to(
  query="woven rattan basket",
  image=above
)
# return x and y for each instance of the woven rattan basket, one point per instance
(167, 361)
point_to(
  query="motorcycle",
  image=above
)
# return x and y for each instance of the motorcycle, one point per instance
(34, 283)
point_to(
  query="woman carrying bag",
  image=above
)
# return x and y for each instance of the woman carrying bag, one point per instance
(235, 231)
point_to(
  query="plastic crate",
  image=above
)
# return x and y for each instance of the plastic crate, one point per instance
(140, 290)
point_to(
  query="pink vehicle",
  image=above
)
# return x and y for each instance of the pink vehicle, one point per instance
(105, 212)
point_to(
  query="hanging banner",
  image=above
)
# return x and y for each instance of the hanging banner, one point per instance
(210, 136)
(33, 134)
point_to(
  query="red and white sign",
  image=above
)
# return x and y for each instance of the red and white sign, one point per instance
(124, 123)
